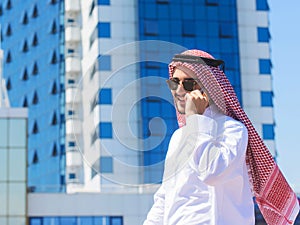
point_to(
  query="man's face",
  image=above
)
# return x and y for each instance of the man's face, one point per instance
(179, 93)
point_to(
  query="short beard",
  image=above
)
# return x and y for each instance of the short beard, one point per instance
(180, 111)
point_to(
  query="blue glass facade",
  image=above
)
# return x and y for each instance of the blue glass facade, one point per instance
(206, 24)
(34, 70)
(80, 220)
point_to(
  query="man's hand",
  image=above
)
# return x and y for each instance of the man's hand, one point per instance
(196, 103)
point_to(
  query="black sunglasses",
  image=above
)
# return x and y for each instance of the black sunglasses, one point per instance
(188, 83)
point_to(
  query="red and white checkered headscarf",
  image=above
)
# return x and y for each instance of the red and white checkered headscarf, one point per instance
(275, 198)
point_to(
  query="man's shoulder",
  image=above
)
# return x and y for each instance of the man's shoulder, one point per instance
(230, 122)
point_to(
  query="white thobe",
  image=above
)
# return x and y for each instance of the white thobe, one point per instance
(205, 179)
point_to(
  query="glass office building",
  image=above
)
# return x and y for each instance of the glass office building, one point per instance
(13, 174)
(92, 75)
(31, 39)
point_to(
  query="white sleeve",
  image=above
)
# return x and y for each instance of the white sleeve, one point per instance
(156, 213)
(218, 146)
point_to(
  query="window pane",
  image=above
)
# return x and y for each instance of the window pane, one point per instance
(106, 164)
(263, 34)
(105, 130)
(266, 98)
(85, 221)
(3, 199)
(105, 96)
(262, 5)
(213, 29)
(17, 133)
(17, 157)
(50, 221)
(3, 220)
(188, 28)
(226, 30)
(103, 2)
(16, 198)
(104, 62)
(265, 66)
(17, 220)
(99, 220)
(104, 30)
(68, 221)
(3, 165)
(268, 132)
(71, 144)
(72, 176)
(3, 132)
(35, 221)
(150, 27)
(116, 221)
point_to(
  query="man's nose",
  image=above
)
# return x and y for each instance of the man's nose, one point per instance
(180, 87)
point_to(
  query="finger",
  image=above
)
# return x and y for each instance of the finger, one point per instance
(187, 96)
(205, 96)
(197, 94)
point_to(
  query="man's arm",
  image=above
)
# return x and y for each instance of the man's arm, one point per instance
(217, 147)
(156, 213)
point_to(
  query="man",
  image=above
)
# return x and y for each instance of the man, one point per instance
(216, 158)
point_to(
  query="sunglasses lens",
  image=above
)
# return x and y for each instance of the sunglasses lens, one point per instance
(172, 84)
(188, 85)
